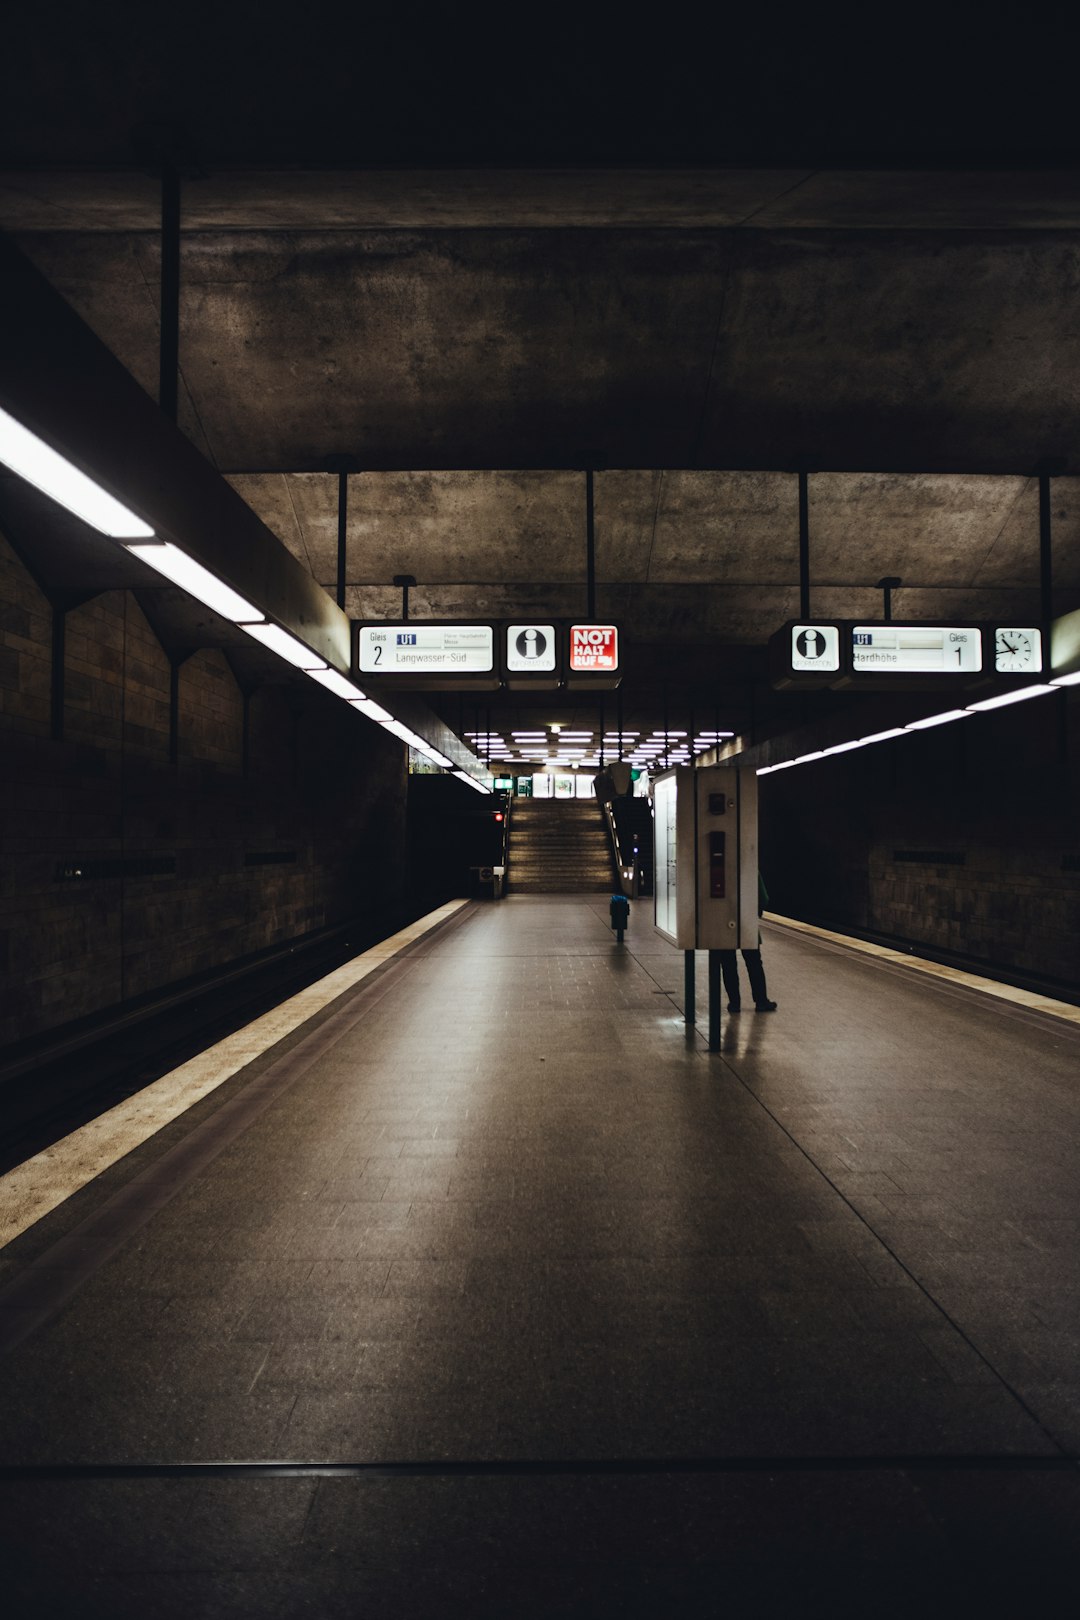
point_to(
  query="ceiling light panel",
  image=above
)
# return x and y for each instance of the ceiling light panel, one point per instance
(279, 641)
(56, 477)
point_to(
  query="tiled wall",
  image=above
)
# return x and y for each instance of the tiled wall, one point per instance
(321, 784)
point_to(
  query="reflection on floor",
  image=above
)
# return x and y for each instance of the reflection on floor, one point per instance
(790, 1327)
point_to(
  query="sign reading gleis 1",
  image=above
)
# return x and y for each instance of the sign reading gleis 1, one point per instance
(916, 649)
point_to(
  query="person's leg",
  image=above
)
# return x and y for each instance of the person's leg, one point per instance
(729, 967)
(755, 972)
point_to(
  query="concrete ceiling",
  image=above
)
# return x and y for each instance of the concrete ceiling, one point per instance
(475, 266)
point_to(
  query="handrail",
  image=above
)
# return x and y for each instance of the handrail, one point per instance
(625, 870)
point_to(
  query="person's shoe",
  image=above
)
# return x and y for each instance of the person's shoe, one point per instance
(764, 1006)
(734, 1006)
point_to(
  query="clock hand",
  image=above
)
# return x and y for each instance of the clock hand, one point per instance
(1009, 646)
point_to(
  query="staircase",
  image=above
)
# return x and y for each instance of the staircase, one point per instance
(558, 846)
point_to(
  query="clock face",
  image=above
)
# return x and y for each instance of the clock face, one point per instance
(1018, 651)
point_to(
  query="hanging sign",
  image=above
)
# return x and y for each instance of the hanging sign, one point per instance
(424, 653)
(915, 649)
(594, 648)
(815, 649)
(531, 649)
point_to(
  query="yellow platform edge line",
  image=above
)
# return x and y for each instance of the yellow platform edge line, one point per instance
(38, 1185)
(921, 964)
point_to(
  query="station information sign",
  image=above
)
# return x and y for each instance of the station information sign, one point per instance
(815, 648)
(915, 649)
(531, 649)
(426, 649)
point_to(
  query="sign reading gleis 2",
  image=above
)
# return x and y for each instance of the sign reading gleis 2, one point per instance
(594, 647)
(426, 649)
(442, 655)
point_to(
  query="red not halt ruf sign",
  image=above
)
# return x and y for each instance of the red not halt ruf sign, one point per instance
(594, 646)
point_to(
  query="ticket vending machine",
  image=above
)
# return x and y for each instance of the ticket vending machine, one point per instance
(705, 825)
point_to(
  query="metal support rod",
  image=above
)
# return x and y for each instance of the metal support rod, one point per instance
(59, 628)
(618, 710)
(689, 988)
(887, 586)
(590, 549)
(342, 529)
(169, 355)
(404, 580)
(714, 1001)
(602, 733)
(1046, 566)
(804, 545)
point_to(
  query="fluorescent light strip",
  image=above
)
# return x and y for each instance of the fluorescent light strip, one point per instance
(56, 477)
(339, 684)
(422, 746)
(279, 641)
(1010, 697)
(463, 776)
(938, 719)
(198, 581)
(372, 711)
(1067, 680)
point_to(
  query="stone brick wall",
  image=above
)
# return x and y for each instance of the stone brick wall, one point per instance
(965, 838)
(186, 866)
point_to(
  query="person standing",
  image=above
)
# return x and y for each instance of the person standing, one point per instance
(755, 970)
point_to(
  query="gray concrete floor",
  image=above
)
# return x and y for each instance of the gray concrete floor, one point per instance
(515, 1211)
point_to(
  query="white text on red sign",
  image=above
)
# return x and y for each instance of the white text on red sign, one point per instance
(594, 646)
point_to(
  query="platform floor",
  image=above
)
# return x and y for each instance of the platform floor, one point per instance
(629, 1327)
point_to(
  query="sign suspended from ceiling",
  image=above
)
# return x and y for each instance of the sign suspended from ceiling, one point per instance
(448, 655)
(429, 655)
(892, 656)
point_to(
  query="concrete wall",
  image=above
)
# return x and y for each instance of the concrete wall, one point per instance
(965, 838)
(190, 864)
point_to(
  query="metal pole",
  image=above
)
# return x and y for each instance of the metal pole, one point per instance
(590, 549)
(689, 988)
(804, 545)
(714, 1001)
(887, 586)
(342, 527)
(169, 354)
(404, 580)
(1046, 566)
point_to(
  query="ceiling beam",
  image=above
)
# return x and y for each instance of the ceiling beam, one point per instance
(61, 382)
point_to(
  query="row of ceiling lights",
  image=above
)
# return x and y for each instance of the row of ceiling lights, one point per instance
(1021, 695)
(64, 483)
(577, 748)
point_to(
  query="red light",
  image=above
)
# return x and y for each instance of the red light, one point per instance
(498, 815)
